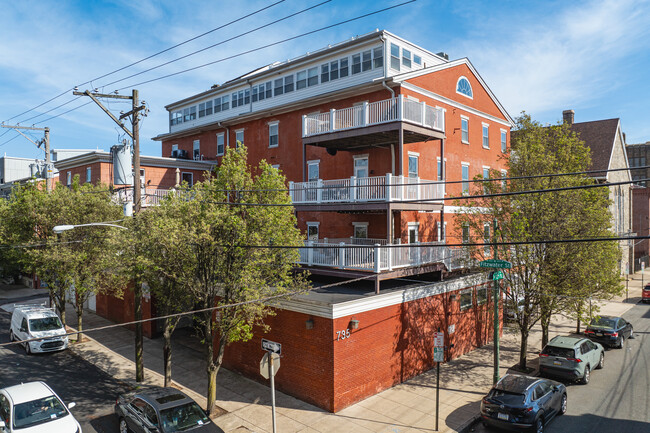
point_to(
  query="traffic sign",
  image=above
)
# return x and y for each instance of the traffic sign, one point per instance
(271, 346)
(264, 364)
(497, 275)
(438, 347)
(494, 263)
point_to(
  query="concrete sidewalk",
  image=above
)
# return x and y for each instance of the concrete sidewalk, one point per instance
(245, 404)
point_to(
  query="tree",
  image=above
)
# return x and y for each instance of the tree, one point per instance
(546, 277)
(231, 271)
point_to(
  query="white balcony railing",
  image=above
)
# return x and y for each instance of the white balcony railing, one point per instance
(377, 258)
(386, 188)
(374, 113)
(150, 196)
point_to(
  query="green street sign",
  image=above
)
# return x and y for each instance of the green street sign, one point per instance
(498, 275)
(494, 263)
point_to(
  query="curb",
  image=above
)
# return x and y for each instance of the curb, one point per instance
(466, 427)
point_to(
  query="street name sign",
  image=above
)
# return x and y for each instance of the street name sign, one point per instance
(498, 275)
(264, 364)
(494, 263)
(271, 346)
(438, 347)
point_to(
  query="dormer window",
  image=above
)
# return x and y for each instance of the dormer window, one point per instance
(464, 88)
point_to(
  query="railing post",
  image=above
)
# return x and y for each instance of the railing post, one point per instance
(304, 125)
(332, 120)
(353, 188)
(341, 255)
(389, 189)
(291, 192)
(418, 193)
(399, 188)
(377, 259)
(366, 113)
(400, 107)
(319, 190)
(389, 251)
(417, 254)
(310, 253)
(423, 109)
(441, 119)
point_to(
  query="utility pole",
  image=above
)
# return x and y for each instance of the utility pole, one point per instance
(46, 142)
(136, 107)
(496, 312)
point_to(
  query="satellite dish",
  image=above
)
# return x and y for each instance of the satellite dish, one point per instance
(331, 151)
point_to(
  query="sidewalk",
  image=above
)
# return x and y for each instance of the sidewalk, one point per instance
(405, 408)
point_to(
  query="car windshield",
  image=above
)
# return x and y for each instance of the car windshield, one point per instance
(45, 324)
(184, 417)
(558, 351)
(38, 412)
(507, 398)
(603, 322)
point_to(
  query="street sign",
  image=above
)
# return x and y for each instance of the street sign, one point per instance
(494, 263)
(264, 364)
(438, 347)
(271, 346)
(498, 275)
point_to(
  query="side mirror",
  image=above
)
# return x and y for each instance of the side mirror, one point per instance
(71, 405)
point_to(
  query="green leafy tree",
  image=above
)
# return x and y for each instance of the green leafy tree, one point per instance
(546, 278)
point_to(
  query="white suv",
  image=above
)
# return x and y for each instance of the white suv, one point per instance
(33, 407)
(37, 321)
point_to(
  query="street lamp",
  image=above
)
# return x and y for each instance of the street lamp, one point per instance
(65, 227)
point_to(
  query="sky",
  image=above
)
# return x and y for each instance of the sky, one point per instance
(540, 57)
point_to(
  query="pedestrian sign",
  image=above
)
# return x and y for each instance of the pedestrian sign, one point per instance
(495, 263)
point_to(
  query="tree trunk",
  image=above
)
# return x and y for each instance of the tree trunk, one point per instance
(211, 367)
(523, 349)
(167, 351)
(545, 322)
(137, 313)
(59, 300)
(80, 309)
(578, 316)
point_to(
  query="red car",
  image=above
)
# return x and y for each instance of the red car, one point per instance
(645, 296)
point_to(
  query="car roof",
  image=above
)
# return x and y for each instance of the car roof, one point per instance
(28, 392)
(154, 394)
(565, 341)
(516, 383)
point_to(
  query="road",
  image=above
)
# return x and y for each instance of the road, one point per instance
(72, 378)
(617, 398)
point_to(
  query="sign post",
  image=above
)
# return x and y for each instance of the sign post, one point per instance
(438, 357)
(269, 366)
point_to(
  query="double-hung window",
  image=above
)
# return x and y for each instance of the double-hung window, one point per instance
(465, 178)
(394, 57)
(486, 175)
(334, 70)
(378, 57)
(288, 84)
(325, 73)
(503, 140)
(301, 80)
(269, 90)
(234, 101)
(406, 58)
(312, 77)
(239, 138)
(69, 178)
(343, 67)
(465, 233)
(220, 143)
(356, 63)
(466, 299)
(486, 136)
(486, 239)
(417, 59)
(196, 149)
(464, 129)
(88, 174)
(366, 61)
(279, 87)
(273, 134)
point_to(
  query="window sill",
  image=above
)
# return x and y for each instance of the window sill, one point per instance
(464, 142)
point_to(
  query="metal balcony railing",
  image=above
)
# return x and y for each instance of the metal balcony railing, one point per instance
(374, 113)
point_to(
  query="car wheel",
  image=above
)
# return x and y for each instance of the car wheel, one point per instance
(621, 342)
(586, 375)
(124, 428)
(12, 337)
(28, 349)
(631, 333)
(539, 425)
(601, 362)
(563, 405)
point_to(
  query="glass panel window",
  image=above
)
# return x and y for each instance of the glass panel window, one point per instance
(486, 175)
(217, 105)
(196, 149)
(240, 98)
(417, 59)
(466, 299)
(378, 57)
(208, 108)
(334, 70)
(254, 95)
(202, 110)
(356, 64)
(187, 177)
(481, 295)
(413, 166)
(486, 136)
(288, 84)
(88, 174)
(464, 129)
(406, 58)
(394, 57)
(366, 61)
(269, 90)
(224, 103)
(465, 179)
(486, 239)
(186, 114)
(463, 87)
(301, 80)
(260, 92)
(361, 231)
(312, 76)
(325, 73)
(503, 141)
(312, 231)
(343, 70)
(465, 234)
(361, 167)
(69, 178)
(279, 87)
(234, 100)
(239, 138)
(273, 134)
(220, 143)
(193, 112)
(439, 169)
(177, 117)
(247, 96)
(313, 171)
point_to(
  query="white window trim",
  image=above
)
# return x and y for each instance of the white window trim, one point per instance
(486, 125)
(271, 124)
(470, 86)
(471, 303)
(463, 117)
(313, 224)
(69, 178)
(414, 154)
(237, 131)
(222, 134)
(464, 164)
(190, 173)
(416, 226)
(503, 131)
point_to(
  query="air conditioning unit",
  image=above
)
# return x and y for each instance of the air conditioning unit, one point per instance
(182, 154)
(175, 153)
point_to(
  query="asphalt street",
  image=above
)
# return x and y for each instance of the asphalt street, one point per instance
(617, 398)
(72, 378)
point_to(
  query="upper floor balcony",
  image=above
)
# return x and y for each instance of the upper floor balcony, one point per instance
(149, 196)
(372, 123)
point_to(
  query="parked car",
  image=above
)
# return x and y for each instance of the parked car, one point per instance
(33, 407)
(36, 321)
(571, 358)
(645, 293)
(523, 402)
(609, 331)
(163, 410)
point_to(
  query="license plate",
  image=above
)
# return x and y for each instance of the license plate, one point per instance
(599, 334)
(557, 363)
(503, 416)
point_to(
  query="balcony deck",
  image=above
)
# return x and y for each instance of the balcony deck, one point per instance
(374, 123)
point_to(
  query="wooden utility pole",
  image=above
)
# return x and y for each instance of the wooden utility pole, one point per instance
(137, 197)
(46, 142)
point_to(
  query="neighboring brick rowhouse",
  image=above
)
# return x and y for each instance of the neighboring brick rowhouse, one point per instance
(641, 219)
(393, 343)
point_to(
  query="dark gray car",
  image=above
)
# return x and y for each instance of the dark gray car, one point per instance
(161, 410)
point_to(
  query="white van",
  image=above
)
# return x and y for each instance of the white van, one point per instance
(37, 321)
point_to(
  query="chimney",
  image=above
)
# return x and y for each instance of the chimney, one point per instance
(567, 116)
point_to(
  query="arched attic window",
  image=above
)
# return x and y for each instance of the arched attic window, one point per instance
(464, 88)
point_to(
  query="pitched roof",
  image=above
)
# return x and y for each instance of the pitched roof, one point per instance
(599, 136)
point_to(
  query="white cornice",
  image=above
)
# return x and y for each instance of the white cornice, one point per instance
(334, 311)
(148, 161)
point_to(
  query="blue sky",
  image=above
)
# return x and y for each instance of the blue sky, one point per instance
(541, 57)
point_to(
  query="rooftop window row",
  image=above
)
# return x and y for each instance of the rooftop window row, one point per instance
(326, 72)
